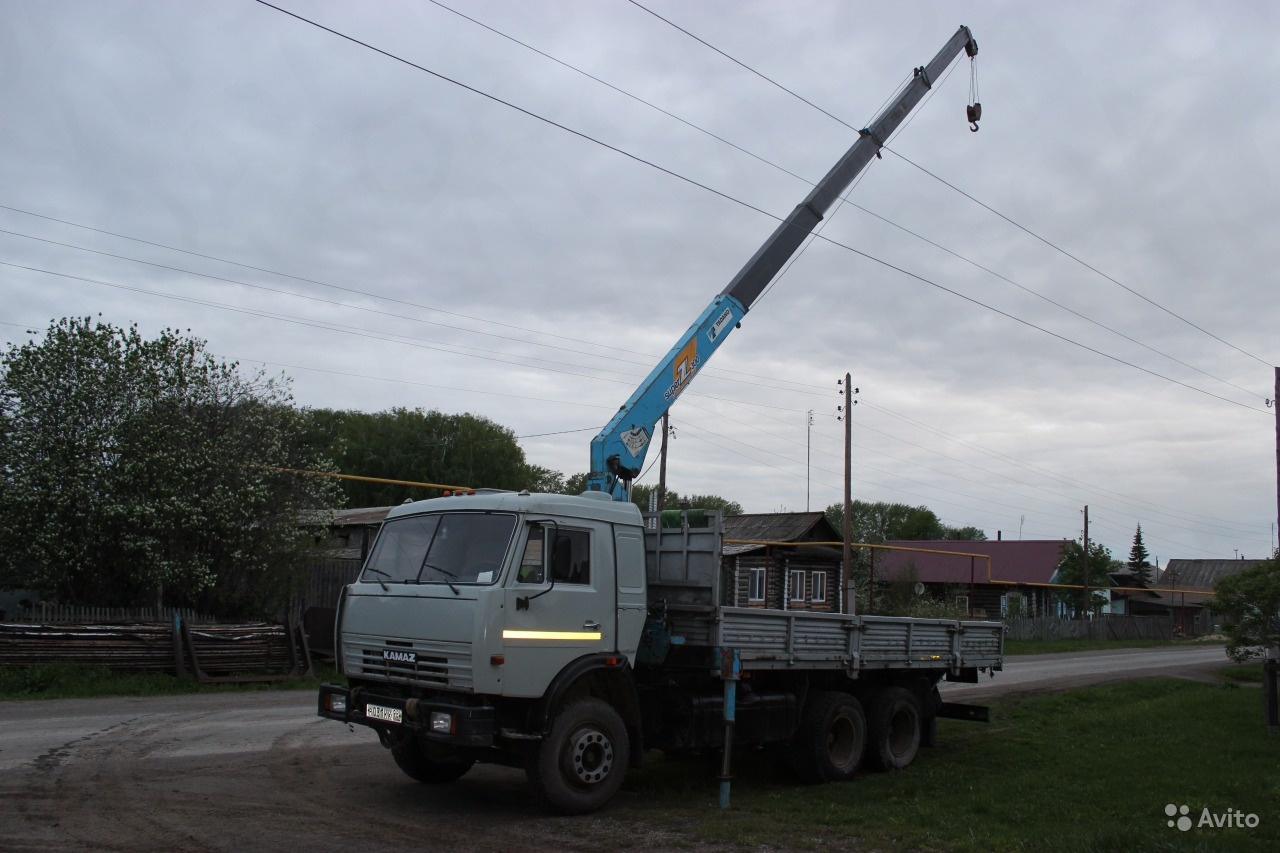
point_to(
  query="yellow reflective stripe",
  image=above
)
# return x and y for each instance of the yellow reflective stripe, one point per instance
(509, 634)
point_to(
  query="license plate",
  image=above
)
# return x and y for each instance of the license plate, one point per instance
(379, 712)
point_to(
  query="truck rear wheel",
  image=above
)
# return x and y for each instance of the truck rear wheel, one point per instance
(894, 728)
(829, 744)
(427, 766)
(580, 766)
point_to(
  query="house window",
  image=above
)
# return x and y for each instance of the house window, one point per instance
(962, 603)
(1013, 604)
(755, 592)
(797, 585)
(818, 587)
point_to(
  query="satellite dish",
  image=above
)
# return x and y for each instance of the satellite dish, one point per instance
(919, 588)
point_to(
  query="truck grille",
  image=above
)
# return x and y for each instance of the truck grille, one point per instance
(418, 662)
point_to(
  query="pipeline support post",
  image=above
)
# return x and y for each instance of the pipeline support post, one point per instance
(731, 673)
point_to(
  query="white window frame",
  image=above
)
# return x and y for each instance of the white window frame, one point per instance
(795, 579)
(1019, 597)
(962, 602)
(818, 588)
(757, 585)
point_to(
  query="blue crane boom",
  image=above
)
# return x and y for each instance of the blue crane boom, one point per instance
(617, 453)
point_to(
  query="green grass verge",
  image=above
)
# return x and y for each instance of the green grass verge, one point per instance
(1092, 769)
(71, 681)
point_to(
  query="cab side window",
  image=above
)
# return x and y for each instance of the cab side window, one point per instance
(570, 558)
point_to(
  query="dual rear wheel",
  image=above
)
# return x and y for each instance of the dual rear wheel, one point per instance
(837, 736)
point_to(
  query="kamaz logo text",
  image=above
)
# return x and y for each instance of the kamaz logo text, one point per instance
(398, 656)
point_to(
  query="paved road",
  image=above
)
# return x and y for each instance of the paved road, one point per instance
(259, 771)
(1076, 669)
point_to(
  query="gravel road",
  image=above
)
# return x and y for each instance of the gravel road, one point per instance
(259, 771)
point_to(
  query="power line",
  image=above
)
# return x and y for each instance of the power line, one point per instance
(985, 206)
(745, 204)
(1077, 259)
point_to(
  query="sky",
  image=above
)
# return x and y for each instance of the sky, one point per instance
(1074, 306)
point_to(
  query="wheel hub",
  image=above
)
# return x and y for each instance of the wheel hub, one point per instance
(590, 756)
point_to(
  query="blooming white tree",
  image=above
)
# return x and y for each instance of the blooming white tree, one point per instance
(132, 466)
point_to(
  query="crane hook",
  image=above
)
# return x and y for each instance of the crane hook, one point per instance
(974, 112)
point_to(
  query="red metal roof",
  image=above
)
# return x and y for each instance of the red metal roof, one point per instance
(1027, 561)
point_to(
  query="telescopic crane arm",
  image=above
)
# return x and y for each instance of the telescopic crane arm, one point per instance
(617, 453)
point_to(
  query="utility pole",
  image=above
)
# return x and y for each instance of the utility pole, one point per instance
(808, 452)
(1275, 404)
(1088, 608)
(846, 414)
(662, 463)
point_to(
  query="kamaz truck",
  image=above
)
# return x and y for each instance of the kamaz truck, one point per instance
(569, 635)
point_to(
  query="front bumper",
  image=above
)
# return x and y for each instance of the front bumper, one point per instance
(444, 722)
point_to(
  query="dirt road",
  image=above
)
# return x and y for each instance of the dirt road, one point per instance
(259, 771)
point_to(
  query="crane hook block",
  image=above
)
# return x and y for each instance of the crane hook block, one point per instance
(974, 112)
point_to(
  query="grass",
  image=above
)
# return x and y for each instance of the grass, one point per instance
(1091, 769)
(72, 681)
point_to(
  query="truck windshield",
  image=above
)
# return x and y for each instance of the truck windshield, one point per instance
(446, 548)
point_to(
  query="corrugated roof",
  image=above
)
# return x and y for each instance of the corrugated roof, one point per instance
(776, 527)
(1026, 561)
(1201, 574)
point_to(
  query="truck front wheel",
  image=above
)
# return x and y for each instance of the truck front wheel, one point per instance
(894, 727)
(428, 766)
(829, 743)
(581, 764)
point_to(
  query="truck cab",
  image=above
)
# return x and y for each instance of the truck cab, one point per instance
(477, 617)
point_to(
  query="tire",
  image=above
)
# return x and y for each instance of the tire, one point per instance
(893, 727)
(832, 737)
(418, 763)
(579, 767)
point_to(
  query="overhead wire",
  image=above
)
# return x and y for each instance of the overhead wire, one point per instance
(647, 163)
(969, 196)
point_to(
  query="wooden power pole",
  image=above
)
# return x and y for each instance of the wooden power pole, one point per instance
(662, 464)
(1087, 604)
(846, 563)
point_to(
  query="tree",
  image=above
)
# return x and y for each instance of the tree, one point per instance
(1072, 570)
(1249, 602)
(1139, 564)
(576, 484)
(131, 465)
(420, 446)
(880, 522)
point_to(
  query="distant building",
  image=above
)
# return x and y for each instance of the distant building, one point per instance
(766, 563)
(985, 579)
(1184, 586)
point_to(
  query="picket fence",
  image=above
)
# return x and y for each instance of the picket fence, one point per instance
(1106, 627)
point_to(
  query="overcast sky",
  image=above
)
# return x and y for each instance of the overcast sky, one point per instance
(386, 237)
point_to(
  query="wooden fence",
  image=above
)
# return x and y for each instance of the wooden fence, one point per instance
(59, 613)
(240, 652)
(1106, 627)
